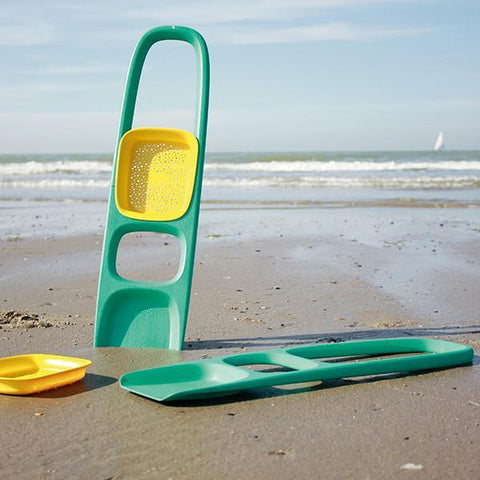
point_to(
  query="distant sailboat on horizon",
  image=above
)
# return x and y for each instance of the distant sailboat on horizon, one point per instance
(440, 143)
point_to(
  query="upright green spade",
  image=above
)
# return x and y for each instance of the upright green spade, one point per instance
(156, 186)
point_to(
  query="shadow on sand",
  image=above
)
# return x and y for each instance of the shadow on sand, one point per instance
(310, 338)
(90, 382)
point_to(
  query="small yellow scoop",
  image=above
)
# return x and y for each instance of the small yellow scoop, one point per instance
(33, 373)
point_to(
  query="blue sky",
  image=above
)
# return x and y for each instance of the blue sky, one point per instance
(286, 74)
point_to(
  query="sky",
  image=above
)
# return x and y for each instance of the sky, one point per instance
(286, 75)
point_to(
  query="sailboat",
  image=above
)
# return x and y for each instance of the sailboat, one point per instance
(440, 143)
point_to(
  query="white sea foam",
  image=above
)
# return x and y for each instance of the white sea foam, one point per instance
(91, 166)
(36, 168)
(340, 166)
(348, 182)
(429, 182)
(55, 183)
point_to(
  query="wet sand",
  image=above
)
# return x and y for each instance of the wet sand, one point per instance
(264, 278)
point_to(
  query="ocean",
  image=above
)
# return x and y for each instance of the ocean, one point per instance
(447, 177)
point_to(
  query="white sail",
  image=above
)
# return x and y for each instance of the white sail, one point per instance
(440, 143)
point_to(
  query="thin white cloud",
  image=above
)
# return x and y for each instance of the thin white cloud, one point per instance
(25, 94)
(25, 35)
(227, 21)
(55, 87)
(76, 69)
(313, 33)
(221, 11)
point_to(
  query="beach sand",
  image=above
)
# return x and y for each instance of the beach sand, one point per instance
(265, 277)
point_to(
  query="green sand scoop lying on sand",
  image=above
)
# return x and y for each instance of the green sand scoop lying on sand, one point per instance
(156, 185)
(222, 376)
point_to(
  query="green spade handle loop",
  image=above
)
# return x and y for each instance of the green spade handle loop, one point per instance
(153, 36)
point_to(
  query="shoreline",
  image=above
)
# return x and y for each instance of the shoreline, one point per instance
(52, 218)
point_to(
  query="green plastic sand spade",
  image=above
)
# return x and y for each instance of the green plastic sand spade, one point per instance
(156, 186)
(222, 376)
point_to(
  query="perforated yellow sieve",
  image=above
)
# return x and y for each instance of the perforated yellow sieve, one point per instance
(155, 175)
